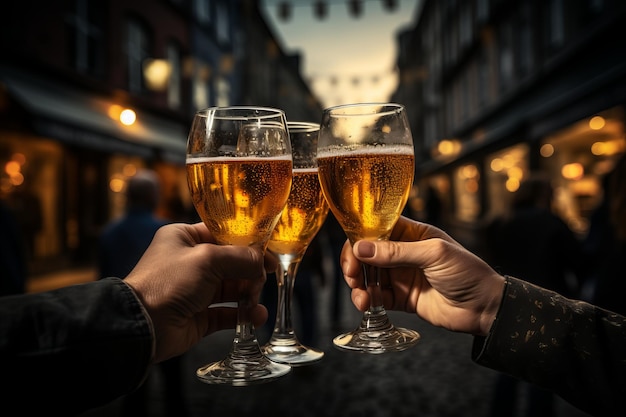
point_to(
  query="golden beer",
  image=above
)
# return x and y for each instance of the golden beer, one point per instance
(368, 189)
(239, 199)
(302, 217)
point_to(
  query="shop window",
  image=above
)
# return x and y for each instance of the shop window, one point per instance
(504, 171)
(30, 184)
(465, 186)
(577, 157)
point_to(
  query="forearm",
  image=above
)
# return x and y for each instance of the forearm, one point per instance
(570, 347)
(74, 348)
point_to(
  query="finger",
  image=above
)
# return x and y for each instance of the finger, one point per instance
(360, 298)
(233, 262)
(200, 233)
(351, 267)
(411, 230)
(402, 254)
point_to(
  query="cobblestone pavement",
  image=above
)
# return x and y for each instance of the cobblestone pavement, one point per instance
(435, 378)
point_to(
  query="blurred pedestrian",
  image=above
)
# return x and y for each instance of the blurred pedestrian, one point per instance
(535, 244)
(605, 243)
(122, 243)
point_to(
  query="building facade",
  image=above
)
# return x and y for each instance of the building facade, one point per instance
(500, 91)
(93, 90)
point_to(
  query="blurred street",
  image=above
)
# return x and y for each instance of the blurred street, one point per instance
(436, 378)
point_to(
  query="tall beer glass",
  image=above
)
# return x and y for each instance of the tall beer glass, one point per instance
(366, 168)
(300, 221)
(239, 172)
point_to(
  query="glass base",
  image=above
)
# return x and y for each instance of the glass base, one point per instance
(295, 354)
(395, 339)
(242, 372)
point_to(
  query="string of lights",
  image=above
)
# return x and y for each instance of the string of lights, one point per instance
(355, 80)
(320, 7)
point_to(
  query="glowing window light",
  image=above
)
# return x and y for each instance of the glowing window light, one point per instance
(546, 150)
(128, 117)
(597, 122)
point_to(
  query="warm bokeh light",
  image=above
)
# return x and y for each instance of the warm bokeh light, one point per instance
(469, 171)
(597, 122)
(515, 172)
(496, 164)
(546, 150)
(448, 147)
(157, 73)
(128, 117)
(114, 111)
(116, 184)
(12, 168)
(607, 148)
(512, 184)
(129, 170)
(572, 171)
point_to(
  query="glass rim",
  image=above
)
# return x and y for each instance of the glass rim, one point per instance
(222, 113)
(386, 108)
(302, 127)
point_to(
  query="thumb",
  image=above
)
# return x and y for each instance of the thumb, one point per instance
(391, 254)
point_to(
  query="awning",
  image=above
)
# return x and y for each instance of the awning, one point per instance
(75, 117)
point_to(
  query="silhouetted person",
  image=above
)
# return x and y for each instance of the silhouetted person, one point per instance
(533, 243)
(122, 243)
(605, 243)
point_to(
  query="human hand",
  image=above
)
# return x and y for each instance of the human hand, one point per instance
(425, 271)
(182, 272)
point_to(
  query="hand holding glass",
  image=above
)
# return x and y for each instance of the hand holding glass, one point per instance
(239, 172)
(366, 167)
(300, 221)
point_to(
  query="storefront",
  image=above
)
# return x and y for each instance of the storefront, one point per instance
(65, 155)
(573, 158)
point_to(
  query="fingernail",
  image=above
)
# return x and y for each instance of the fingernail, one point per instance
(366, 249)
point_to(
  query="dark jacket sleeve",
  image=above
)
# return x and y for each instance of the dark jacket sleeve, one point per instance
(68, 350)
(570, 347)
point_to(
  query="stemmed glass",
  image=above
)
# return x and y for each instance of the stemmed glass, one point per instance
(300, 221)
(366, 167)
(239, 172)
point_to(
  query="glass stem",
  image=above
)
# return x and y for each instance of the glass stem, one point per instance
(245, 343)
(285, 276)
(375, 318)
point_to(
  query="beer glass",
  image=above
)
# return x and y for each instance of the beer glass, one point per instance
(300, 221)
(239, 172)
(366, 168)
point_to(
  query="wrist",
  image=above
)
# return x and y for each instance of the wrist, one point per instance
(494, 301)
